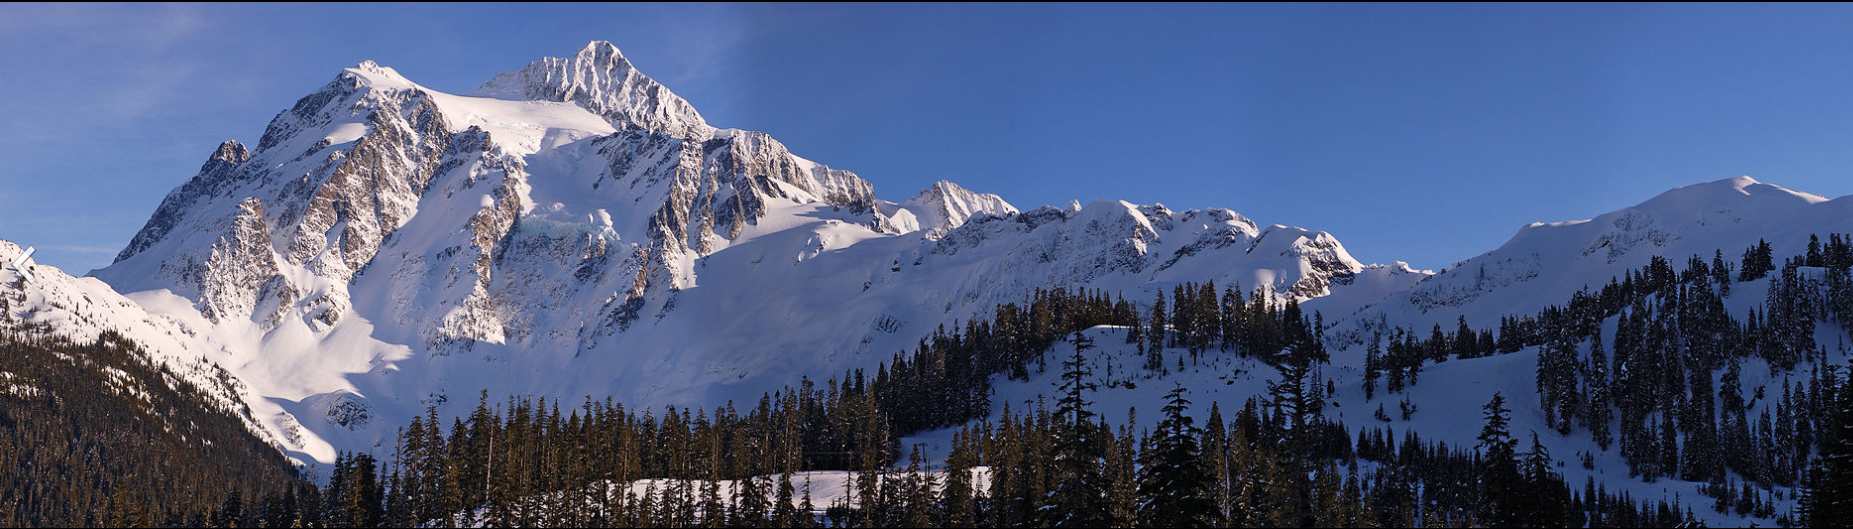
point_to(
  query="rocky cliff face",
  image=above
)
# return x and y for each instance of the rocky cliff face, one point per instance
(574, 228)
(599, 79)
(331, 178)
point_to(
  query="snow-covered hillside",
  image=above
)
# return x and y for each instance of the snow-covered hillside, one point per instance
(81, 308)
(1446, 407)
(573, 228)
(1546, 262)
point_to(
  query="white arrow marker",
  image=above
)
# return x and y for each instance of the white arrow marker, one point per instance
(21, 263)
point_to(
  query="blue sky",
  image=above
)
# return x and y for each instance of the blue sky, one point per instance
(1424, 133)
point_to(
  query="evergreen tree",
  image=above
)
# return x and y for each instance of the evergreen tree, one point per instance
(1557, 385)
(1122, 476)
(1830, 496)
(1500, 487)
(1232, 318)
(1173, 486)
(1079, 498)
(1154, 356)
(1546, 499)
(1721, 272)
(1373, 364)
(1757, 263)
(1600, 394)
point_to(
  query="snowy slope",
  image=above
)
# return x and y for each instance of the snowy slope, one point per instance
(1545, 262)
(81, 308)
(1448, 404)
(573, 228)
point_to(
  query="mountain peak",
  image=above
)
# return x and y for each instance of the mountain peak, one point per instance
(372, 74)
(599, 78)
(942, 188)
(602, 51)
(1729, 193)
(946, 205)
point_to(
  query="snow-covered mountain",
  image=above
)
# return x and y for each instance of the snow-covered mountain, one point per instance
(1545, 263)
(574, 228)
(939, 209)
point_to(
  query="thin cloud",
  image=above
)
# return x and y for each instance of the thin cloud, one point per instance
(702, 40)
(84, 249)
(705, 39)
(156, 26)
(135, 63)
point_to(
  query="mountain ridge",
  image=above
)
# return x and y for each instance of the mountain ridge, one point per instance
(517, 239)
(1543, 261)
(568, 229)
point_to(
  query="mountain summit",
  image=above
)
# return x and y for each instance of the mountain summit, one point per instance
(573, 228)
(602, 81)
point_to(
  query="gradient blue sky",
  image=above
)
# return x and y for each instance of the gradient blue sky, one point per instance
(1424, 133)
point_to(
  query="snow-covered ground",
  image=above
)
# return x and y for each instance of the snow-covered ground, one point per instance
(1544, 263)
(1448, 402)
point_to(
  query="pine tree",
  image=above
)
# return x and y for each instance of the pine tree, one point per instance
(1557, 384)
(1373, 364)
(1465, 341)
(1121, 475)
(1546, 499)
(1600, 393)
(957, 501)
(1758, 261)
(1080, 494)
(1232, 321)
(1173, 486)
(1500, 482)
(1209, 319)
(1154, 357)
(1830, 496)
(1734, 427)
(1721, 272)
